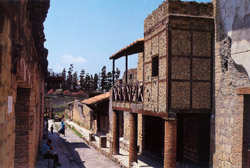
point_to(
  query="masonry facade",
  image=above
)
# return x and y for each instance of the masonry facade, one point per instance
(230, 128)
(172, 97)
(23, 64)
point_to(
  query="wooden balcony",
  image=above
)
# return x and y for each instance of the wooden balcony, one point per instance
(129, 96)
(128, 93)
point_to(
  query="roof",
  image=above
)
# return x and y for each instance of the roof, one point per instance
(96, 99)
(133, 48)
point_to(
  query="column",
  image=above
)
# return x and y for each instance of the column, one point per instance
(132, 138)
(170, 140)
(116, 145)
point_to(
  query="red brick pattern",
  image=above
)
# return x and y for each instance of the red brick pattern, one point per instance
(170, 143)
(22, 128)
(132, 138)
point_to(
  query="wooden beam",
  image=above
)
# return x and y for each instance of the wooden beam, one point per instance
(243, 90)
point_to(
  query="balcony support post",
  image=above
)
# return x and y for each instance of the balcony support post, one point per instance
(116, 142)
(132, 138)
(113, 73)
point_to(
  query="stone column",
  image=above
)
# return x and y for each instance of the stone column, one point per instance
(170, 140)
(132, 138)
(116, 145)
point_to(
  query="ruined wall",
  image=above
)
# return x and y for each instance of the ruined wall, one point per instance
(21, 119)
(231, 50)
(7, 120)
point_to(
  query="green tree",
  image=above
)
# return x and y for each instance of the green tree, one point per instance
(75, 81)
(103, 79)
(70, 77)
(109, 81)
(95, 82)
(64, 84)
(82, 78)
(91, 83)
(87, 82)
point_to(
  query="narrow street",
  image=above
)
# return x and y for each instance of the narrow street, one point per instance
(74, 152)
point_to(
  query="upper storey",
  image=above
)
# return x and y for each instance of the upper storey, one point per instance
(177, 7)
(178, 58)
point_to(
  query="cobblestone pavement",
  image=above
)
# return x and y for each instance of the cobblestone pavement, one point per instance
(84, 155)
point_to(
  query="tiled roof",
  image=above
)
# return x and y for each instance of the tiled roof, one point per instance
(133, 48)
(96, 99)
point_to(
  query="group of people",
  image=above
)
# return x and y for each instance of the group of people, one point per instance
(46, 148)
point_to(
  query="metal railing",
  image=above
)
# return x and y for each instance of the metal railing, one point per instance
(128, 93)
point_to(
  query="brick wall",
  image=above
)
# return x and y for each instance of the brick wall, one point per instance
(7, 88)
(22, 127)
(190, 42)
(20, 148)
(227, 128)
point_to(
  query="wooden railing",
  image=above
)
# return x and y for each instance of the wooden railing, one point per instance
(128, 93)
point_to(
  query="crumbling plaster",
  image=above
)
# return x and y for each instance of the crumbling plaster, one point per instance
(235, 18)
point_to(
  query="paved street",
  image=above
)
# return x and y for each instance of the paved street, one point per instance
(74, 152)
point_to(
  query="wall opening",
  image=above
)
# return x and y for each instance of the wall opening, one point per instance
(246, 132)
(154, 137)
(193, 139)
(121, 124)
(155, 66)
(22, 127)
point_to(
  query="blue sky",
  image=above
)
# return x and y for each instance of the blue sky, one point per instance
(87, 32)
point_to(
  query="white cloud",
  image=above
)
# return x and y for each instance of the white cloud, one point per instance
(58, 68)
(69, 59)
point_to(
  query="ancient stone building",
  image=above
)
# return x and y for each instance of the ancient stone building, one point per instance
(230, 133)
(169, 106)
(93, 113)
(23, 65)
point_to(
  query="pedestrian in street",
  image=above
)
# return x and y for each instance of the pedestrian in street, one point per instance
(46, 152)
(51, 129)
(62, 129)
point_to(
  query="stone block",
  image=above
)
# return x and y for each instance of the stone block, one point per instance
(163, 68)
(201, 69)
(154, 97)
(162, 96)
(180, 95)
(147, 72)
(202, 44)
(155, 44)
(147, 51)
(147, 97)
(180, 42)
(180, 68)
(163, 44)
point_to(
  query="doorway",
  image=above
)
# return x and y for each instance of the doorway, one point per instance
(246, 132)
(22, 127)
(154, 137)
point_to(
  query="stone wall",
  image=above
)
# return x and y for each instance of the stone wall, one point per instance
(231, 72)
(191, 62)
(21, 81)
(189, 35)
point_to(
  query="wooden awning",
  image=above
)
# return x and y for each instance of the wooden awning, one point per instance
(133, 48)
(97, 99)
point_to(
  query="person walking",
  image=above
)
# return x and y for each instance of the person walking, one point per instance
(62, 129)
(46, 152)
(51, 129)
